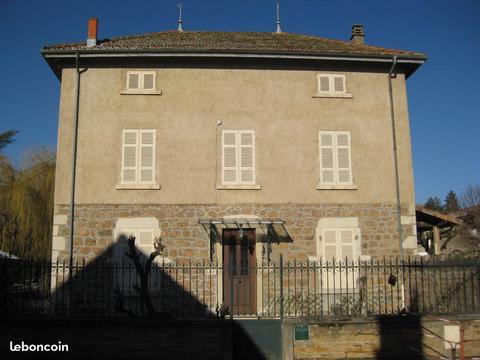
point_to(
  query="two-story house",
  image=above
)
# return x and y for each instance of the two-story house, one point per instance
(197, 137)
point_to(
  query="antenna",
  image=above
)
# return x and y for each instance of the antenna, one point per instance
(180, 18)
(279, 29)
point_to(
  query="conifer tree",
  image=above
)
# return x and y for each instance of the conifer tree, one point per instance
(451, 202)
(434, 203)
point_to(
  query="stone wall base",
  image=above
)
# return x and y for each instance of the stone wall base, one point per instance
(184, 238)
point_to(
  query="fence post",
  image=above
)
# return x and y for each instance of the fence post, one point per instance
(281, 286)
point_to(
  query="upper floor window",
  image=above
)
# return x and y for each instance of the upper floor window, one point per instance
(331, 85)
(138, 158)
(141, 82)
(238, 157)
(335, 158)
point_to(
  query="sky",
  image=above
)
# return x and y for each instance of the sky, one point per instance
(443, 95)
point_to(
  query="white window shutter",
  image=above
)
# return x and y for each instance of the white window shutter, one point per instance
(327, 166)
(344, 173)
(148, 82)
(335, 157)
(338, 84)
(247, 157)
(347, 244)
(238, 157)
(330, 245)
(323, 83)
(229, 150)
(147, 156)
(133, 81)
(129, 156)
(145, 242)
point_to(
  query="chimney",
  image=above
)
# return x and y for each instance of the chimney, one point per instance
(358, 36)
(92, 32)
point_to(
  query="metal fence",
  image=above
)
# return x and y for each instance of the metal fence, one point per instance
(267, 290)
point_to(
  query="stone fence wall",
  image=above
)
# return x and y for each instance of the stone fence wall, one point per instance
(389, 337)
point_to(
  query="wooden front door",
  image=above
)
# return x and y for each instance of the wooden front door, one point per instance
(239, 274)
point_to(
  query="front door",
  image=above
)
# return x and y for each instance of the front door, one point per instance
(239, 274)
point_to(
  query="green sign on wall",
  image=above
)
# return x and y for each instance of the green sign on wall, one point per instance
(301, 332)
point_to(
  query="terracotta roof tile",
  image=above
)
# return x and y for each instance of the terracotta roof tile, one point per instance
(235, 42)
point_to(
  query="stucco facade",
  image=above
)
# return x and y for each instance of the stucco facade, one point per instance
(279, 105)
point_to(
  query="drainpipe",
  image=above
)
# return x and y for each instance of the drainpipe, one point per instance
(397, 179)
(74, 158)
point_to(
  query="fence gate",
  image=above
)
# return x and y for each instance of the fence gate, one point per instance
(257, 339)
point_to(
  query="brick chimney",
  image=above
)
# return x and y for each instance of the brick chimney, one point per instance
(92, 32)
(358, 36)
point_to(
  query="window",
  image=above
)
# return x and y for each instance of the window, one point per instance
(238, 157)
(339, 240)
(146, 231)
(144, 239)
(138, 157)
(338, 244)
(331, 85)
(335, 158)
(141, 82)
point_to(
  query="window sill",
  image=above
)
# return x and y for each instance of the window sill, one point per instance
(337, 187)
(137, 187)
(141, 92)
(333, 95)
(238, 187)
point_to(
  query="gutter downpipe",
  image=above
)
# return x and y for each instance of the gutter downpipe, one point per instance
(73, 171)
(397, 179)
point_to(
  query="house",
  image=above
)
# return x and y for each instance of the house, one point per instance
(201, 139)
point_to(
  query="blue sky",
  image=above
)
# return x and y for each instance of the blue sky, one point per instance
(443, 94)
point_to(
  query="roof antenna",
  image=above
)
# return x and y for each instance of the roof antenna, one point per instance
(180, 18)
(279, 29)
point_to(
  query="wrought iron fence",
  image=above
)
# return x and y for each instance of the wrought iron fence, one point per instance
(269, 290)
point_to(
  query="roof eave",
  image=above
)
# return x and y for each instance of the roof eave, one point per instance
(416, 60)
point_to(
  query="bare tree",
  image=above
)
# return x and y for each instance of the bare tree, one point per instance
(470, 196)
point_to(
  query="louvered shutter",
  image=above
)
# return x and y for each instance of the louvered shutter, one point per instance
(324, 83)
(229, 140)
(327, 166)
(330, 245)
(148, 81)
(133, 81)
(247, 156)
(145, 242)
(147, 156)
(129, 156)
(346, 245)
(338, 84)
(344, 173)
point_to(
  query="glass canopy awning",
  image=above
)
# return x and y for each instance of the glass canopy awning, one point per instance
(270, 230)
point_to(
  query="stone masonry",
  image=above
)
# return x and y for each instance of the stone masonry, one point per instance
(184, 238)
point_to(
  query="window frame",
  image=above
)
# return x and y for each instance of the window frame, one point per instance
(336, 169)
(141, 83)
(126, 279)
(331, 86)
(138, 183)
(238, 168)
(336, 281)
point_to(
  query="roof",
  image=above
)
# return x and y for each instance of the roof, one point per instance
(434, 218)
(234, 42)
